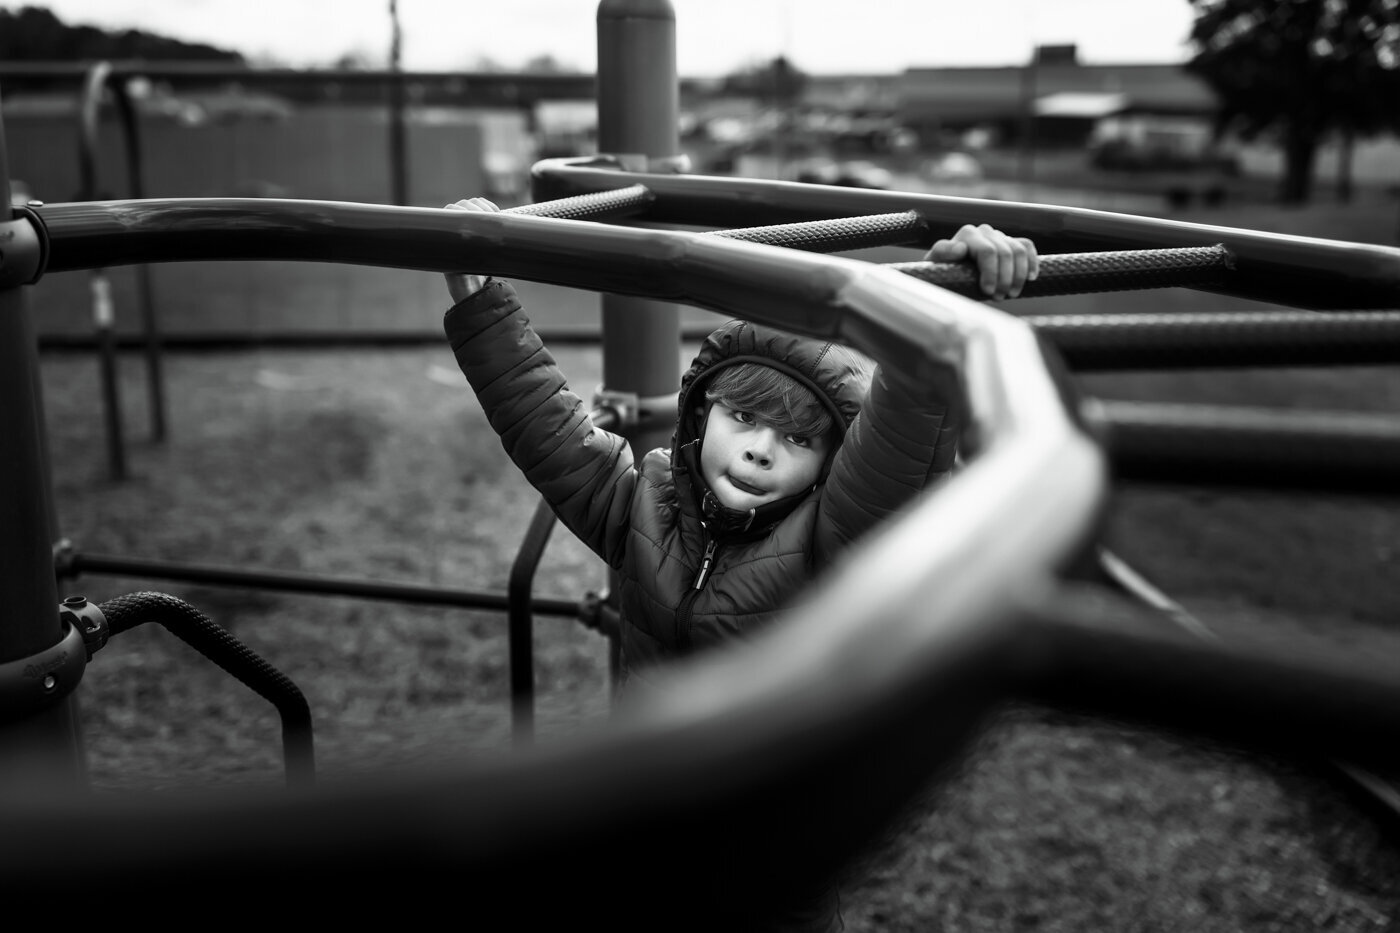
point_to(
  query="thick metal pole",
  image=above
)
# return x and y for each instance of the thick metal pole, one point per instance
(40, 750)
(638, 112)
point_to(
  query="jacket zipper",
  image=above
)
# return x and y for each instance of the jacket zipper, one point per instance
(683, 612)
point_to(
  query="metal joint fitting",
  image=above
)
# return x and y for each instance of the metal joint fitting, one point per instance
(24, 248)
(30, 685)
(632, 410)
(88, 619)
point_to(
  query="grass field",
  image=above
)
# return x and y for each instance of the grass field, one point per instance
(378, 464)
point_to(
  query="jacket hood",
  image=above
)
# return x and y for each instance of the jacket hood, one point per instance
(836, 375)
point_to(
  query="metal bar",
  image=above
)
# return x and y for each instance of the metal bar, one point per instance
(1348, 453)
(788, 743)
(1382, 795)
(520, 614)
(521, 623)
(197, 630)
(41, 751)
(1078, 273)
(838, 235)
(150, 325)
(1111, 342)
(1106, 656)
(638, 112)
(103, 323)
(1295, 271)
(74, 564)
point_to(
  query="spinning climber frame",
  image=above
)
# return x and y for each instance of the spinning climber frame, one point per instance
(865, 693)
(922, 656)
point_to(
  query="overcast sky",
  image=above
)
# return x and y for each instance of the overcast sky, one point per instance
(714, 37)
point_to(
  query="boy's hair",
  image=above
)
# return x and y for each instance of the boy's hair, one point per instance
(772, 396)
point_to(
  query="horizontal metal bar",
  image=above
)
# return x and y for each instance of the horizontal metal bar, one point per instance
(1105, 342)
(1096, 653)
(77, 564)
(838, 234)
(1350, 453)
(1295, 271)
(1081, 273)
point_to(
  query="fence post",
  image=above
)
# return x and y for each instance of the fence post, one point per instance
(39, 750)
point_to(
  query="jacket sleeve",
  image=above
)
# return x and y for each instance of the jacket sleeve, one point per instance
(585, 473)
(903, 441)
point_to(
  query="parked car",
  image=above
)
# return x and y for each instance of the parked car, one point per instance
(854, 174)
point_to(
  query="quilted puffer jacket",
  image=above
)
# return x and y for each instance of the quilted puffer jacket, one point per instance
(650, 522)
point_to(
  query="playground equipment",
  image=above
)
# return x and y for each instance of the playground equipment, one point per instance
(771, 735)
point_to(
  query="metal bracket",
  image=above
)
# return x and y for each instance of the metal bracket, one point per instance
(88, 619)
(24, 248)
(30, 685)
(633, 410)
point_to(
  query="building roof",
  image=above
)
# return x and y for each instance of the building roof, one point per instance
(1001, 93)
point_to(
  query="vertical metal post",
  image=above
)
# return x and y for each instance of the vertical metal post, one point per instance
(103, 317)
(39, 751)
(638, 112)
(150, 327)
(398, 133)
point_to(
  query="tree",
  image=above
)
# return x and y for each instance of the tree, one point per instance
(777, 83)
(35, 34)
(1302, 69)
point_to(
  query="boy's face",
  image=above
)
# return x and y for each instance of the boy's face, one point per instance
(748, 462)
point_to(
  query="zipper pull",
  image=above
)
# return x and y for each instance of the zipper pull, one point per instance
(706, 562)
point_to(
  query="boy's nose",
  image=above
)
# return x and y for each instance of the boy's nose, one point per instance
(756, 456)
(759, 449)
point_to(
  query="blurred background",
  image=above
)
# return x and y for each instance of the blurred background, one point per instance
(1229, 108)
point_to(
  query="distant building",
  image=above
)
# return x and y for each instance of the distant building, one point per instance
(1054, 100)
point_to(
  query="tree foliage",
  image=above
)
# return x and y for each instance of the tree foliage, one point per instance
(1303, 69)
(777, 83)
(36, 34)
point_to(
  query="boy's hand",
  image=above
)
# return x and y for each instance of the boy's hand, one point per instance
(461, 285)
(1004, 264)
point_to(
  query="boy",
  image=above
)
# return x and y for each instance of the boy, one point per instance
(786, 450)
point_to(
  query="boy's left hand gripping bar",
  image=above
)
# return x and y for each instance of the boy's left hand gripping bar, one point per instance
(24, 248)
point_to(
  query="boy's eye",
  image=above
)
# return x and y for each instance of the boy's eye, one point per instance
(743, 416)
(799, 440)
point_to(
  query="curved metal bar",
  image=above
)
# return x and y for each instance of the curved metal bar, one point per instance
(219, 645)
(777, 737)
(1296, 271)
(99, 78)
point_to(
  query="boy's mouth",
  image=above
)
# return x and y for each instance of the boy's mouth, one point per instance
(745, 487)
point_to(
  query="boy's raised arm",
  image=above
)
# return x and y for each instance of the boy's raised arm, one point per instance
(584, 473)
(904, 441)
